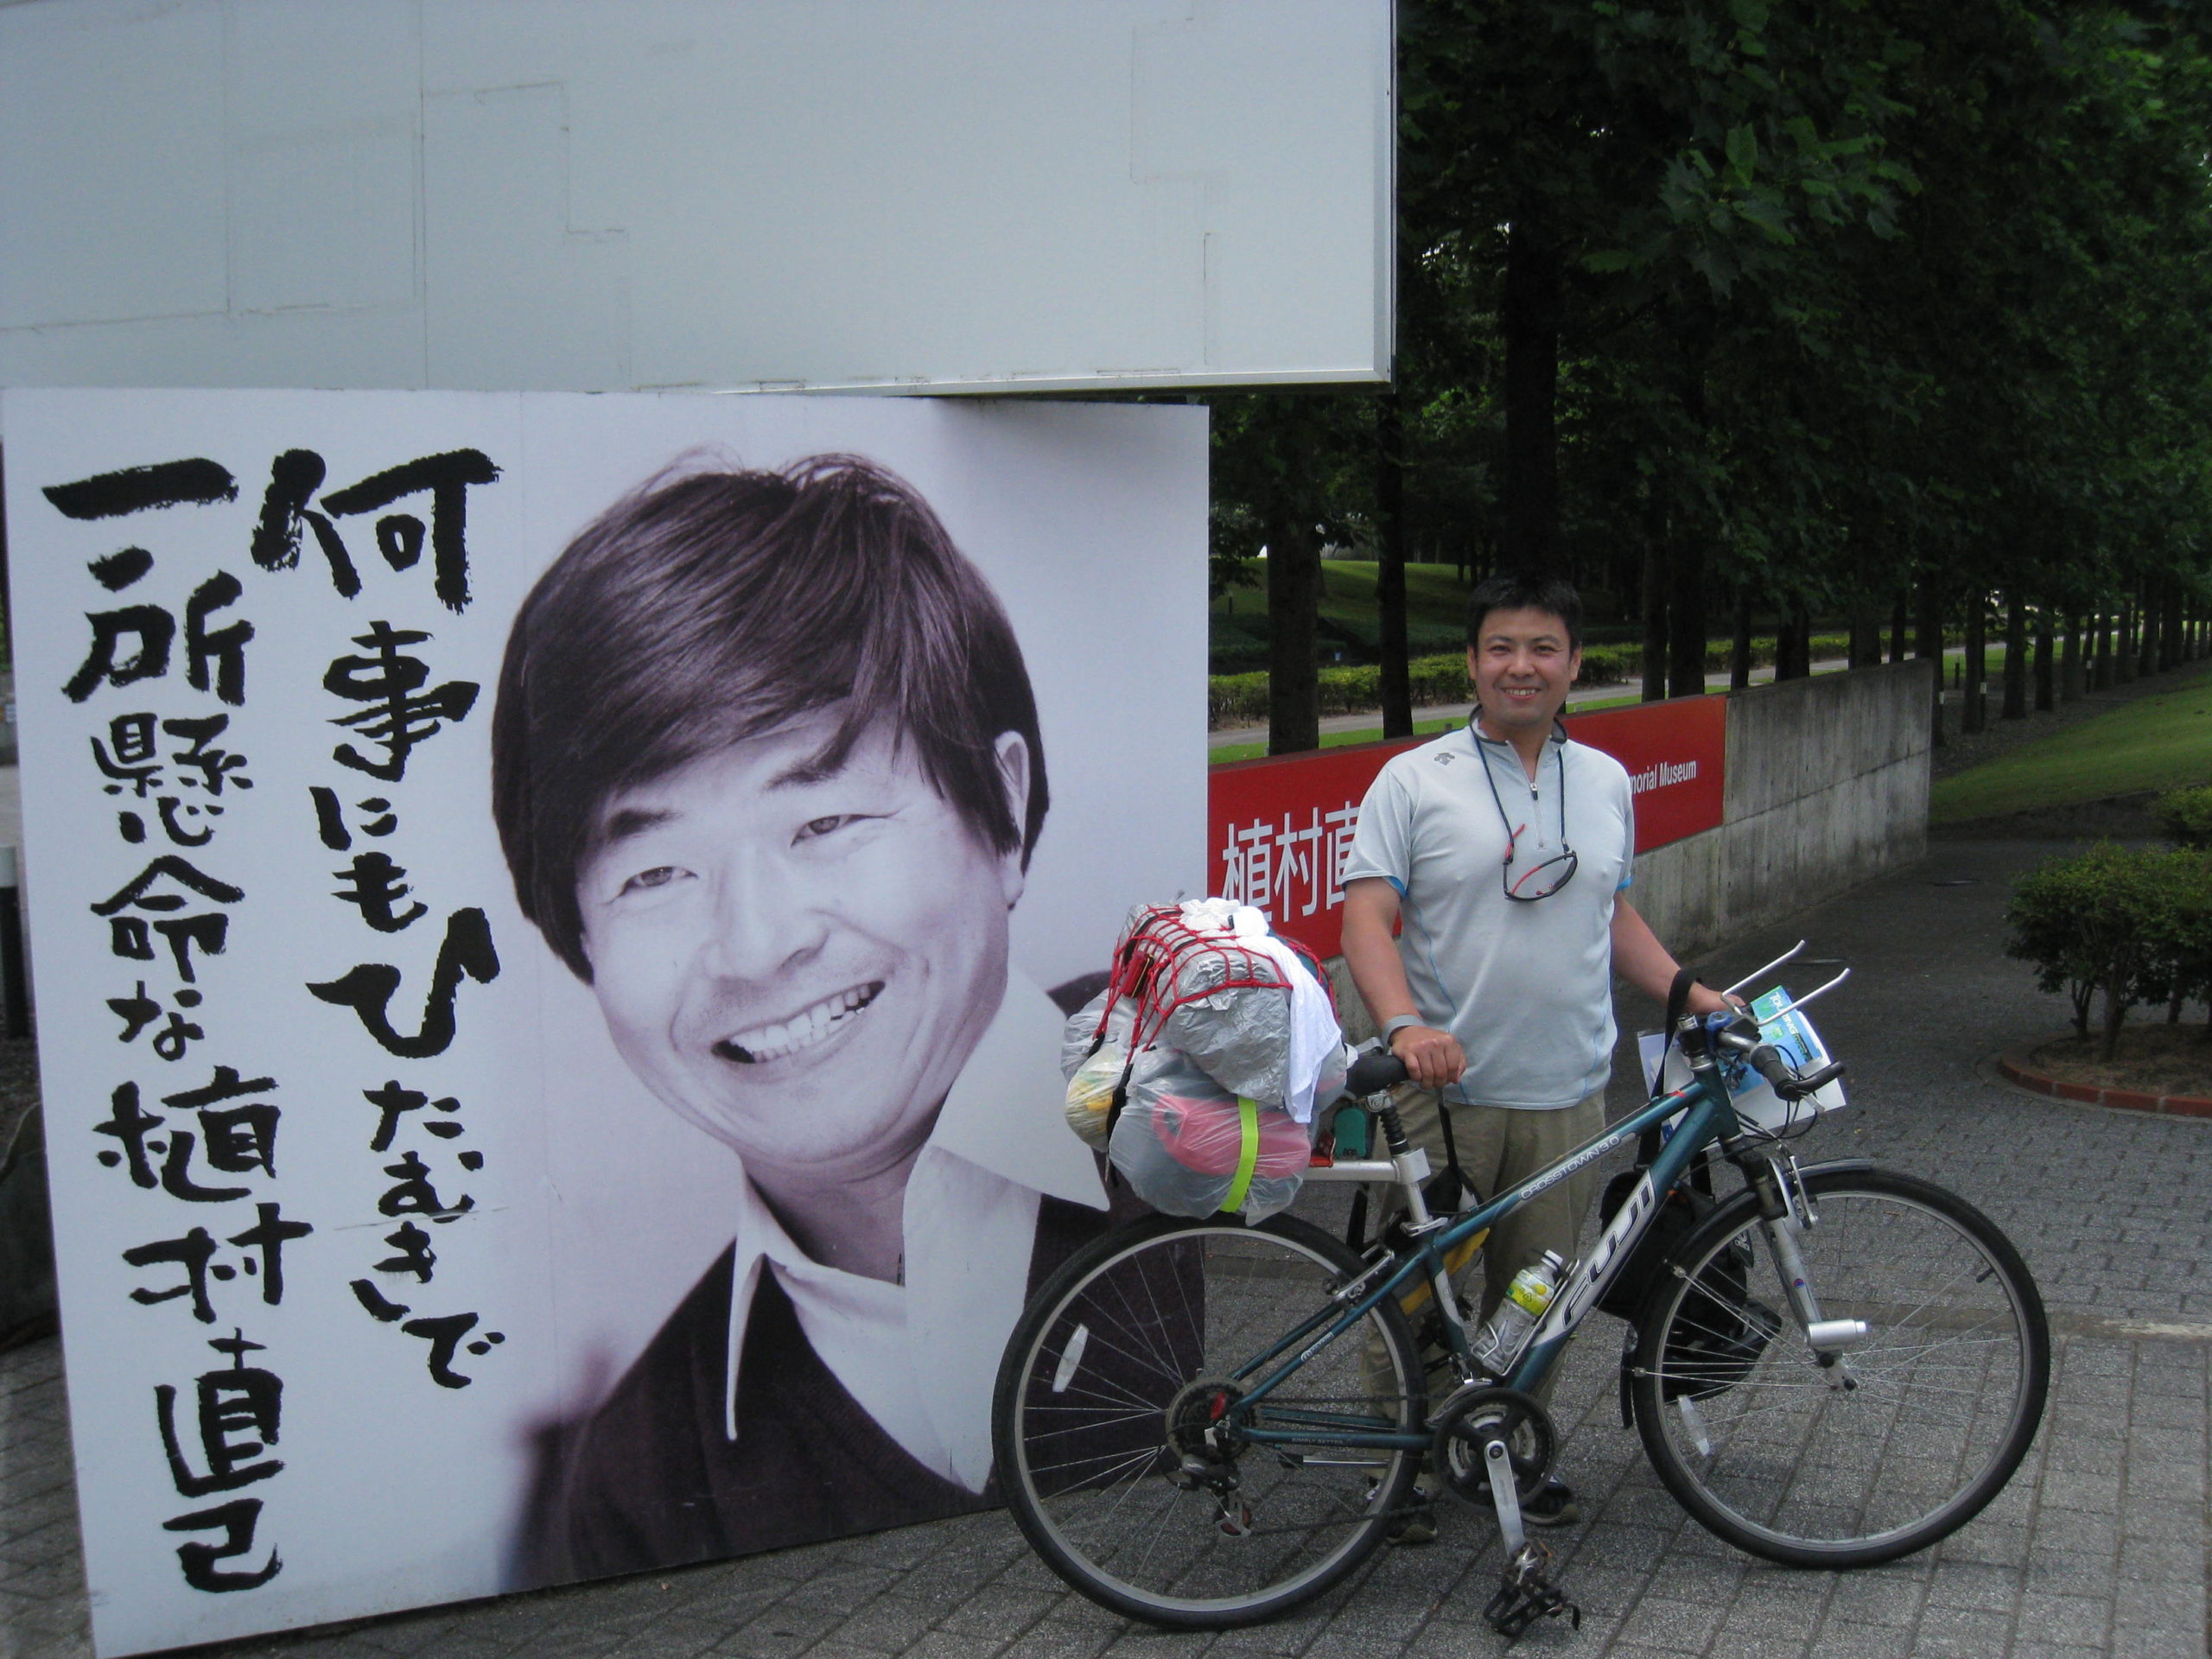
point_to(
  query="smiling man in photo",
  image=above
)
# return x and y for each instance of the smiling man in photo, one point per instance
(767, 773)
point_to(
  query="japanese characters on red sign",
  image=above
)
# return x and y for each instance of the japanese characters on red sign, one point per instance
(1279, 830)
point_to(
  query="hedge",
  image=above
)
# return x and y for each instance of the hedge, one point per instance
(1241, 699)
(2133, 927)
(2185, 816)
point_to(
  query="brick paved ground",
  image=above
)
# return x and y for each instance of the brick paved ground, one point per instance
(2099, 1547)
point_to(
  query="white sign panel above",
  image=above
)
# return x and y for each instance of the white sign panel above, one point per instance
(980, 195)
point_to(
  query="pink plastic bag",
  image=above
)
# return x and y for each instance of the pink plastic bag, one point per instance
(1206, 1133)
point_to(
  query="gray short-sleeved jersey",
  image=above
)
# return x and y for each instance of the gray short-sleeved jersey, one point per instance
(1527, 988)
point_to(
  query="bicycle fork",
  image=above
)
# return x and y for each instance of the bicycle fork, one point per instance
(1787, 1212)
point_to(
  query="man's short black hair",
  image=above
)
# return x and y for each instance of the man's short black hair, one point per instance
(705, 607)
(1525, 593)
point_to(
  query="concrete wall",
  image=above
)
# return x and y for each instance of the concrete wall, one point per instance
(1828, 787)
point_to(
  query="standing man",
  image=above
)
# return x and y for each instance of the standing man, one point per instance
(1505, 848)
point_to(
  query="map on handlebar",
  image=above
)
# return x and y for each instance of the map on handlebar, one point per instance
(1790, 1033)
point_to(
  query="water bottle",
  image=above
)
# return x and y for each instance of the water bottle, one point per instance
(1526, 1299)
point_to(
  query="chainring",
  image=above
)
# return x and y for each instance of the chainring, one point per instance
(1475, 1415)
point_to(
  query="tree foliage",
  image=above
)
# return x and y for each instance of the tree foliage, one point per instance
(1796, 306)
(2129, 925)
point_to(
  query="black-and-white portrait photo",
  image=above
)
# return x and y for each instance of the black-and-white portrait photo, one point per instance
(768, 773)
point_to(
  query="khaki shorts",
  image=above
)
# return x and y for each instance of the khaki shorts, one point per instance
(1499, 1148)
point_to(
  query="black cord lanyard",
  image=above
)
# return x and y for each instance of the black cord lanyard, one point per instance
(1567, 853)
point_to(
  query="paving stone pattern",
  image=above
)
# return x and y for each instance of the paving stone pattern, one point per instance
(2098, 1547)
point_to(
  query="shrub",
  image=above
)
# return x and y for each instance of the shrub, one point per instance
(2185, 816)
(2132, 926)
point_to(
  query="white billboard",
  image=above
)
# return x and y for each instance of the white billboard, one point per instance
(554, 916)
(625, 194)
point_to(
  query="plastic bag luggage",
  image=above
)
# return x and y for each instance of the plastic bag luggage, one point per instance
(1188, 1146)
(1207, 1030)
(1095, 1059)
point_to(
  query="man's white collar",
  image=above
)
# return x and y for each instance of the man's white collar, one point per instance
(969, 1224)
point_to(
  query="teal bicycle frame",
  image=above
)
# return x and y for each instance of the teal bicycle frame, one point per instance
(1707, 1118)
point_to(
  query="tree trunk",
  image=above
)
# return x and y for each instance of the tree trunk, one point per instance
(1864, 649)
(1928, 646)
(1973, 717)
(1397, 684)
(2115, 1013)
(1685, 625)
(2016, 657)
(2102, 679)
(2123, 645)
(1739, 648)
(1654, 599)
(2069, 663)
(1293, 598)
(2170, 651)
(1899, 617)
(1686, 618)
(1792, 656)
(2147, 643)
(1528, 318)
(2046, 687)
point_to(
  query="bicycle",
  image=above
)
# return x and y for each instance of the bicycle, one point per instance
(1178, 1453)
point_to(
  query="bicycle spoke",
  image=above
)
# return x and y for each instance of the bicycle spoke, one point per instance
(1911, 1430)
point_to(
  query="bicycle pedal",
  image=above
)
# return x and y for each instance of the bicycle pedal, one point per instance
(1527, 1595)
(1237, 1520)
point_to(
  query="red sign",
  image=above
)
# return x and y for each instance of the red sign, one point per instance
(1279, 830)
(1677, 756)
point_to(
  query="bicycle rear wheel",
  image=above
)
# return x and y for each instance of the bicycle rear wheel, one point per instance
(1921, 1425)
(1122, 1364)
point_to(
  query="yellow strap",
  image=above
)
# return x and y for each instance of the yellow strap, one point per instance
(1247, 1155)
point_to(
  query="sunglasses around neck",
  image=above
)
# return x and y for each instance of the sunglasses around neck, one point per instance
(1539, 880)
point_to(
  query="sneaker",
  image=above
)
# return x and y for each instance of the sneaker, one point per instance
(1416, 1524)
(1554, 1506)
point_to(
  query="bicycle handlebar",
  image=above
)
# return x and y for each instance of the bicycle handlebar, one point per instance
(1789, 1083)
(1766, 1060)
(1371, 1074)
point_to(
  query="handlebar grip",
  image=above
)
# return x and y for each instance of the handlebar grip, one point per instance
(1371, 1074)
(1789, 1083)
(1809, 1082)
(1766, 1060)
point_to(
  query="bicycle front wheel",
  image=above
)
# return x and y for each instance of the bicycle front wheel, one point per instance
(1899, 1444)
(1140, 1345)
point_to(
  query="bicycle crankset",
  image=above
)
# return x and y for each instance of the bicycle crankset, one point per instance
(1478, 1413)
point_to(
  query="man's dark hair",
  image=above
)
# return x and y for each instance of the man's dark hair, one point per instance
(1525, 593)
(705, 607)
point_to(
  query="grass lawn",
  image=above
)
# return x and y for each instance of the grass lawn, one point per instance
(1436, 603)
(1373, 735)
(2158, 742)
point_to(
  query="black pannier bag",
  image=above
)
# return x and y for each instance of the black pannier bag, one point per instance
(1722, 1328)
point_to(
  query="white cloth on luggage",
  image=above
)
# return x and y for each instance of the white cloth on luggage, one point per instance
(1314, 1035)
